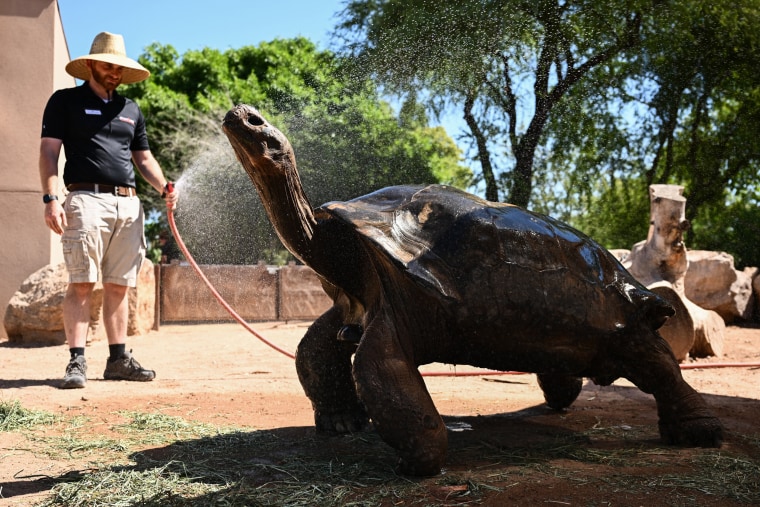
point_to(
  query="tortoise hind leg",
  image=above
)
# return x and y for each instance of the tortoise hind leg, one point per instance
(560, 391)
(323, 363)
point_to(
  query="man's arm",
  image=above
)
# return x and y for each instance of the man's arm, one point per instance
(50, 149)
(150, 169)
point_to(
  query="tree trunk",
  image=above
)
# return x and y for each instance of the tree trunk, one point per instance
(492, 190)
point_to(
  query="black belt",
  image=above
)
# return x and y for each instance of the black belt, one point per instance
(101, 188)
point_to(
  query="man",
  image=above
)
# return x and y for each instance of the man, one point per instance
(101, 219)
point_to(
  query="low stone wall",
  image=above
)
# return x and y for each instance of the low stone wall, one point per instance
(256, 293)
(175, 293)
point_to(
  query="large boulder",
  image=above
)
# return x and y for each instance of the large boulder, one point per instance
(709, 331)
(35, 312)
(712, 283)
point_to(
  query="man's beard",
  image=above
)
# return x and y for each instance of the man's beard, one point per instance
(103, 80)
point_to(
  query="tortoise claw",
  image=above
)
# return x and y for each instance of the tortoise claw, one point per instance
(343, 422)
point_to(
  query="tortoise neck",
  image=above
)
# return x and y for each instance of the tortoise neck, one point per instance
(288, 208)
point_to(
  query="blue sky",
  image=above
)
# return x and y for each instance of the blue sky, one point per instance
(218, 24)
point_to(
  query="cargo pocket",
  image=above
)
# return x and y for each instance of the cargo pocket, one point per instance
(75, 253)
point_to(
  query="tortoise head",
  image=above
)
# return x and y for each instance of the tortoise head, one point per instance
(257, 144)
(267, 156)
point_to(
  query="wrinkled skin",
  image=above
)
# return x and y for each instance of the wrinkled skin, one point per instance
(433, 274)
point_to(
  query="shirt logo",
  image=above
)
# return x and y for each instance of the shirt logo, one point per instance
(92, 111)
(127, 120)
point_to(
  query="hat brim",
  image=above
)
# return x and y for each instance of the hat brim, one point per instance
(133, 71)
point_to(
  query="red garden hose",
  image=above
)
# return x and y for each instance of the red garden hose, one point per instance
(183, 248)
(238, 318)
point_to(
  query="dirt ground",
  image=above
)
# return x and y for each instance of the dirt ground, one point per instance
(221, 374)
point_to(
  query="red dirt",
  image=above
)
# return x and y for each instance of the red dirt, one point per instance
(221, 374)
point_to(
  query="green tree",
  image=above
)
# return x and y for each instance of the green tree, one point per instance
(577, 106)
(685, 109)
(505, 64)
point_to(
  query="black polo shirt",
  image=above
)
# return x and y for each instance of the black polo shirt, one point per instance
(98, 137)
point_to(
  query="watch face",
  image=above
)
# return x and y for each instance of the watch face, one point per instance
(47, 198)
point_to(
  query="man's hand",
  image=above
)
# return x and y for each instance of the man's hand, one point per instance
(170, 195)
(55, 217)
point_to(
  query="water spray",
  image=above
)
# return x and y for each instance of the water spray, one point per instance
(239, 319)
(225, 305)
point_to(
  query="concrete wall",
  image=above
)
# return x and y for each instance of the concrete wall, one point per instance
(256, 293)
(32, 60)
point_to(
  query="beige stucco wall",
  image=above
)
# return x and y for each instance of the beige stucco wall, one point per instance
(32, 61)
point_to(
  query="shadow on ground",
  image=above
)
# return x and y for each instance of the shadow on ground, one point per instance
(596, 453)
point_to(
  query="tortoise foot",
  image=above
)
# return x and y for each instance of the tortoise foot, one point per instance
(560, 391)
(341, 422)
(703, 431)
(688, 421)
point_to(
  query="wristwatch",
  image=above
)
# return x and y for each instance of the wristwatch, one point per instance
(49, 197)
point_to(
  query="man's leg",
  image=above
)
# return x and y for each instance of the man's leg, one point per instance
(115, 312)
(121, 365)
(76, 323)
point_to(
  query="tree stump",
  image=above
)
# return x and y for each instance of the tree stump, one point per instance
(660, 263)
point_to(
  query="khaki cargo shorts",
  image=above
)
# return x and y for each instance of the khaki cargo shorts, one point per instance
(104, 238)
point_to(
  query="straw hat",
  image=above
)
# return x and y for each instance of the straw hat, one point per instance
(109, 48)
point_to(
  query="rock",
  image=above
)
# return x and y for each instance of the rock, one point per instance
(712, 283)
(35, 312)
(751, 312)
(709, 331)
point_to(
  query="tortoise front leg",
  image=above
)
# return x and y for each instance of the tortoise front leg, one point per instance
(684, 417)
(397, 401)
(323, 364)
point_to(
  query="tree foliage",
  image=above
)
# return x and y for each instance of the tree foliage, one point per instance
(505, 64)
(576, 106)
(683, 110)
(347, 140)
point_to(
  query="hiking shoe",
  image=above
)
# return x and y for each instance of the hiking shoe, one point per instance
(76, 374)
(127, 368)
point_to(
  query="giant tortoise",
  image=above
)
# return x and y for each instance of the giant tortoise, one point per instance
(422, 274)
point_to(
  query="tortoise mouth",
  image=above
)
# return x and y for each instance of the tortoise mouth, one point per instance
(243, 114)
